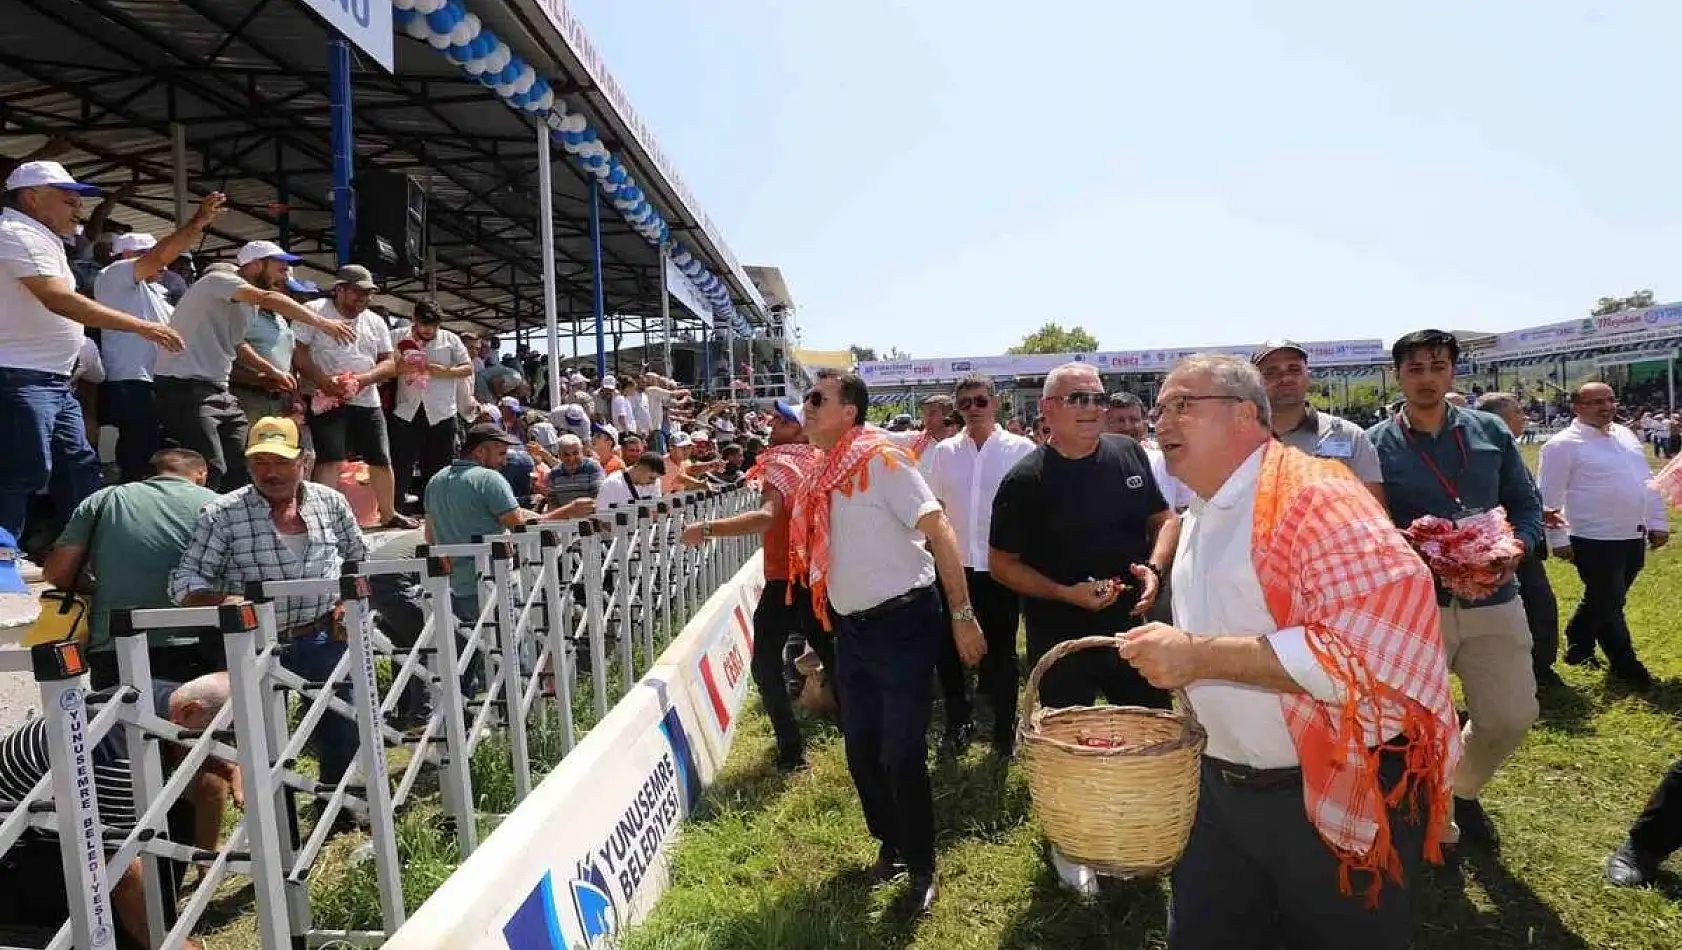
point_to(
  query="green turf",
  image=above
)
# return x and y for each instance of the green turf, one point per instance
(774, 863)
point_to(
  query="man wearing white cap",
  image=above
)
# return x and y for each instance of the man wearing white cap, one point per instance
(196, 408)
(41, 422)
(133, 284)
(618, 408)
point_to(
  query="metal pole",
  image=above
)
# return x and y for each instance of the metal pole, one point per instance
(665, 313)
(598, 295)
(178, 157)
(546, 209)
(511, 662)
(283, 198)
(376, 784)
(1670, 378)
(344, 194)
(706, 373)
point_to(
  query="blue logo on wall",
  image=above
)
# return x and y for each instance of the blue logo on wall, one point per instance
(684, 756)
(597, 917)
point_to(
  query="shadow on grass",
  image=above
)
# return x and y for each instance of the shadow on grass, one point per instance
(1566, 709)
(1445, 917)
(1127, 915)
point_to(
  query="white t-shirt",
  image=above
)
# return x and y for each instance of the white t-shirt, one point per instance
(31, 336)
(212, 324)
(89, 367)
(622, 418)
(616, 490)
(331, 357)
(875, 550)
(657, 399)
(642, 413)
(440, 396)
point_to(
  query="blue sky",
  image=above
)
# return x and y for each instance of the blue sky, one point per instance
(944, 177)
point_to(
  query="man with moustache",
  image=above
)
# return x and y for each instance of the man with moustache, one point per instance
(196, 408)
(1331, 729)
(41, 321)
(964, 472)
(785, 606)
(856, 533)
(1439, 459)
(1072, 533)
(1284, 367)
(424, 429)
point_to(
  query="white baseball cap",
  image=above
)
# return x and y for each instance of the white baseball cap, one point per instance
(51, 175)
(577, 379)
(136, 242)
(264, 250)
(610, 381)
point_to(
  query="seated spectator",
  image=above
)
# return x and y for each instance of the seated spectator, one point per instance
(639, 482)
(631, 448)
(125, 540)
(732, 473)
(540, 430)
(571, 418)
(573, 475)
(32, 885)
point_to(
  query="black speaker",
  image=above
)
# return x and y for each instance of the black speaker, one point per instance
(390, 224)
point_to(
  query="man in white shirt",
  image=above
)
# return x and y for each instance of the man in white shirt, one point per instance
(424, 417)
(41, 321)
(350, 372)
(616, 407)
(1126, 416)
(195, 405)
(635, 483)
(1596, 472)
(856, 533)
(1331, 728)
(964, 472)
(660, 392)
(133, 284)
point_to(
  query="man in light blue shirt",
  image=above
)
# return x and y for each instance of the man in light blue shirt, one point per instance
(132, 284)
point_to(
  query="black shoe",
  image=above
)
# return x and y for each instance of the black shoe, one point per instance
(1581, 656)
(1632, 673)
(888, 865)
(957, 740)
(1475, 826)
(789, 763)
(1547, 679)
(925, 890)
(1628, 867)
(1004, 751)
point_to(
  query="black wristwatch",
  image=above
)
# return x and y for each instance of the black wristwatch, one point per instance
(1154, 570)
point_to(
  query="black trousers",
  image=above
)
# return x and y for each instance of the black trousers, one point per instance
(422, 445)
(883, 665)
(1256, 874)
(129, 406)
(774, 621)
(998, 610)
(1080, 678)
(206, 418)
(1541, 611)
(1658, 832)
(1608, 570)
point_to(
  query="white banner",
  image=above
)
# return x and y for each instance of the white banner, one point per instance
(1625, 326)
(366, 23)
(687, 294)
(1320, 354)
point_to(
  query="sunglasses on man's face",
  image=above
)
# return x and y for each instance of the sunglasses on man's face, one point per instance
(815, 399)
(966, 403)
(1085, 397)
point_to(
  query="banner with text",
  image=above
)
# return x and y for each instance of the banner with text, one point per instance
(1320, 353)
(366, 23)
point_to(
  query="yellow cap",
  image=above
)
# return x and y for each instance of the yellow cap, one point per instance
(274, 435)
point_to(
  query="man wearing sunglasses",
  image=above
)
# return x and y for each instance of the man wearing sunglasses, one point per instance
(1072, 533)
(856, 531)
(965, 471)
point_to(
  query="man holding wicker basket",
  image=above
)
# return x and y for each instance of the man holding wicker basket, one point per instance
(1306, 643)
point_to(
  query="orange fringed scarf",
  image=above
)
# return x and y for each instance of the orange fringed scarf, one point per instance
(844, 468)
(1329, 560)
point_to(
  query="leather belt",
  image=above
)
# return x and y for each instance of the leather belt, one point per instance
(1244, 776)
(303, 631)
(889, 606)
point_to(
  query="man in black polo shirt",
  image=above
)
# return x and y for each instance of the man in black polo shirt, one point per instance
(1072, 529)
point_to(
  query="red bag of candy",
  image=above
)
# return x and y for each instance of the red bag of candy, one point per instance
(1467, 556)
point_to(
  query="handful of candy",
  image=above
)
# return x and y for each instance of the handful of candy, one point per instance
(412, 366)
(1668, 483)
(321, 402)
(1468, 557)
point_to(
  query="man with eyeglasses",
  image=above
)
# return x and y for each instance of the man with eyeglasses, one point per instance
(1284, 367)
(1071, 532)
(856, 530)
(965, 471)
(1439, 459)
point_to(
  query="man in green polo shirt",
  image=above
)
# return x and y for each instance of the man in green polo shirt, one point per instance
(131, 537)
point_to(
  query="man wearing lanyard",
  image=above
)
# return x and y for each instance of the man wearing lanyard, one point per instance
(1439, 459)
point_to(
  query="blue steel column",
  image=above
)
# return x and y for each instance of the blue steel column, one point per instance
(596, 279)
(344, 195)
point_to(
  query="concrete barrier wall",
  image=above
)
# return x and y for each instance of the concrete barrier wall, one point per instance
(585, 855)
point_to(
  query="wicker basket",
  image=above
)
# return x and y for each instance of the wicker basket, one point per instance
(1123, 805)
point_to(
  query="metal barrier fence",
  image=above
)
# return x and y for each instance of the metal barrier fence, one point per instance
(607, 593)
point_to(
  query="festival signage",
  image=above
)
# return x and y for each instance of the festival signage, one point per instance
(687, 295)
(1331, 352)
(366, 23)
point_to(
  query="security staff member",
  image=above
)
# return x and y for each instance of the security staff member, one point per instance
(1284, 368)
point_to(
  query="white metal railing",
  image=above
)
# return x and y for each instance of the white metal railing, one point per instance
(610, 591)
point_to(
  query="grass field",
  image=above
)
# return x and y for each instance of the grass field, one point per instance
(769, 862)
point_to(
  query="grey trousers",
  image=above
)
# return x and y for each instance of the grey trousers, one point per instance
(1257, 876)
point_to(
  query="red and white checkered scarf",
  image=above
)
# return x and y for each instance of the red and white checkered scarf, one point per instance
(785, 467)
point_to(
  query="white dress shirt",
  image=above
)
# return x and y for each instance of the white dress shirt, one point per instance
(1599, 479)
(875, 550)
(440, 396)
(360, 355)
(1174, 491)
(965, 479)
(1216, 594)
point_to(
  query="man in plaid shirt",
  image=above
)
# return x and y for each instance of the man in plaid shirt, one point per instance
(280, 527)
(1305, 638)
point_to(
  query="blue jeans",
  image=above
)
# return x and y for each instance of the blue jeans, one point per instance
(46, 445)
(334, 741)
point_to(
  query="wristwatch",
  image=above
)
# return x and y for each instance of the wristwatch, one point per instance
(706, 531)
(964, 614)
(1154, 570)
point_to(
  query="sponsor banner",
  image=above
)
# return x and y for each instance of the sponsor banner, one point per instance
(1637, 356)
(366, 23)
(687, 295)
(1625, 326)
(722, 669)
(1320, 353)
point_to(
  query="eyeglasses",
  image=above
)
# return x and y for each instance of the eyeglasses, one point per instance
(966, 403)
(815, 399)
(1178, 405)
(1085, 397)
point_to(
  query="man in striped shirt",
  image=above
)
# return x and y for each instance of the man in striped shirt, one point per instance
(32, 886)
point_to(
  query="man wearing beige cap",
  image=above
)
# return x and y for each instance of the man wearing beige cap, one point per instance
(196, 408)
(132, 283)
(349, 373)
(1284, 367)
(41, 320)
